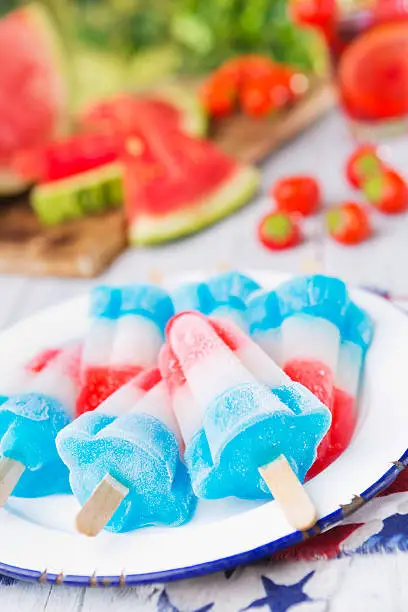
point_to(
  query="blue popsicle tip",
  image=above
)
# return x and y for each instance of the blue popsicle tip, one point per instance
(142, 454)
(105, 302)
(145, 300)
(263, 312)
(247, 427)
(29, 424)
(226, 294)
(318, 295)
(358, 327)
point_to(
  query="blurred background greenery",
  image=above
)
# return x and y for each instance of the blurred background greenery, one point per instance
(116, 44)
(199, 33)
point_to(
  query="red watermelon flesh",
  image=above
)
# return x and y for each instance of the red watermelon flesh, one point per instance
(171, 170)
(105, 128)
(124, 112)
(64, 158)
(176, 184)
(32, 90)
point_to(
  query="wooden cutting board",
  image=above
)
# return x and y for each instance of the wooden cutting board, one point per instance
(251, 140)
(84, 248)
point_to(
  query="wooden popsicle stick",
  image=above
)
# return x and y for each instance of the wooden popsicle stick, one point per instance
(289, 493)
(100, 507)
(11, 471)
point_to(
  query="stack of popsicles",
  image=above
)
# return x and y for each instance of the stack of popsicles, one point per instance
(242, 393)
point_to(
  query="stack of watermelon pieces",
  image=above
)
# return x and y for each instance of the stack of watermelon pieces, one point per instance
(147, 152)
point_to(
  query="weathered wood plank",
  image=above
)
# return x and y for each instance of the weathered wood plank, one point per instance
(24, 597)
(142, 598)
(65, 599)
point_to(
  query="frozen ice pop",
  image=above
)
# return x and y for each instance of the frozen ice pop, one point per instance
(319, 337)
(29, 422)
(264, 323)
(224, 295)
(299, 326)
(313, 310)
(124, 461)
(246, 417)
(357, 334)
(125, 335)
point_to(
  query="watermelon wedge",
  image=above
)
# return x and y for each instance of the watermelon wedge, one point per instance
(176, 184)
(33, 97)
(192, 117)
(172, 105)
(83, 174)
(75, 176)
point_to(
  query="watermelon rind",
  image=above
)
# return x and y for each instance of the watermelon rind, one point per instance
(43, 22)
(225, 199)
(80, 195)
(194, 119)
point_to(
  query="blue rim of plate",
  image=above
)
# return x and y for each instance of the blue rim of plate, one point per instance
(226, 563)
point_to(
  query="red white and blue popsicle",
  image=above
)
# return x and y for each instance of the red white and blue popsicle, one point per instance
(249, 429)
(124, 338)
(320, 338)
(41, 404)
(124, 461)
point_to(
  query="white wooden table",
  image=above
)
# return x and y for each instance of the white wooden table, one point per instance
(372, 583)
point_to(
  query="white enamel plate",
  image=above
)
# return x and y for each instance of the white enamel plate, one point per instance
(38, 540)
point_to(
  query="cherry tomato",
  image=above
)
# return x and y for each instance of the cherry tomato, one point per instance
(362, 164)
(278, 231)
(388, 192)
(348, 223)
(297, 194)
(218, 94)
(255, 99)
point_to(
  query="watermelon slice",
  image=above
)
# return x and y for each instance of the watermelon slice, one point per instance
(176, 184)
(173, 105)
(75, 176)
(67, 157)
(82, 174)
(33, 97)
(192, 116)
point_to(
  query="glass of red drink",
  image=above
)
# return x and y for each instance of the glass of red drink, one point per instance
(368, 44)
